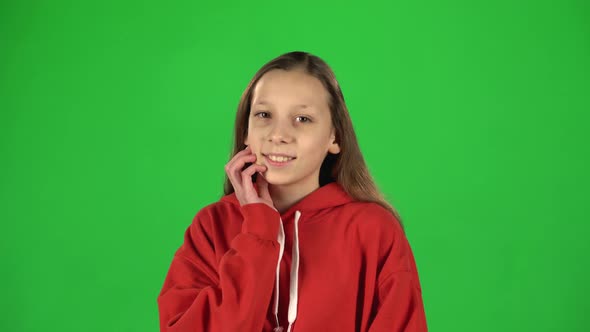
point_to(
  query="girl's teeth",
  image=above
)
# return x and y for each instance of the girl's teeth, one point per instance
(279, 159)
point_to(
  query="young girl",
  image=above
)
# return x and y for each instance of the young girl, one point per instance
(302, 240)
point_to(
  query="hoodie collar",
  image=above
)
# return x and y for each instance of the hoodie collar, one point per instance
(327, 196)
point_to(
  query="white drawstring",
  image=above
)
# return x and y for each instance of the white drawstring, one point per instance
(294, 281)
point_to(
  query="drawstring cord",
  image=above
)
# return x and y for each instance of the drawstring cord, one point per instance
(294, 280)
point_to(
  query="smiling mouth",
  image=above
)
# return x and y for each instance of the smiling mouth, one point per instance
(278, 161)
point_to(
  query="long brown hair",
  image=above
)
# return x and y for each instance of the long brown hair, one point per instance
(348, 167)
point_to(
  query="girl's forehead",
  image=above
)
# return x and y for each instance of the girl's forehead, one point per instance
(292, 88)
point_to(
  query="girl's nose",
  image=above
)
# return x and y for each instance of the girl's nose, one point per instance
(280, 133)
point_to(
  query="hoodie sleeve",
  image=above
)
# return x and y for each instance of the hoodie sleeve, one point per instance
(399, 305)
(198, 296)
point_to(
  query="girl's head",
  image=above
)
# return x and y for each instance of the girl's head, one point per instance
(294, 106)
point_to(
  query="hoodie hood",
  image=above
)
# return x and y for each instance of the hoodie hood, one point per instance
(327, 196)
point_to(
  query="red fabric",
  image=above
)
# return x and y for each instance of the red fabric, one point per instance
(356, 273)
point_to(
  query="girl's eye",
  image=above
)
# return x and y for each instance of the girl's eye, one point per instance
(257, 114)
(304, 117)
(267, 115)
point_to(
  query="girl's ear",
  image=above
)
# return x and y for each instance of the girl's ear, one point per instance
(334, 147)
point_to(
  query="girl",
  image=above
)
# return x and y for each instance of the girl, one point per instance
(302, 240)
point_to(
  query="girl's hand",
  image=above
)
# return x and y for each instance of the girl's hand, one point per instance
(242, 180)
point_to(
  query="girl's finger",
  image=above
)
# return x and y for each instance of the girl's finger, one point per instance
(235, 159)
(234, 167)
(263, 187)
(238, 164)
(247, 184)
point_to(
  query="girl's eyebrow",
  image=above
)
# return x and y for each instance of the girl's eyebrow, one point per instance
(263, 102)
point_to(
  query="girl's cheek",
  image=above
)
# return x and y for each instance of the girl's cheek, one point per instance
(257, 124)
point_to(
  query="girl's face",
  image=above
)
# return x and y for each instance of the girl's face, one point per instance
(290, 115)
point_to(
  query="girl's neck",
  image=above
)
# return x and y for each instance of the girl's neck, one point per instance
(283, 197)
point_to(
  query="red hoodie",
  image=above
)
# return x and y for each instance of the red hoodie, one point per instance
(328, 263)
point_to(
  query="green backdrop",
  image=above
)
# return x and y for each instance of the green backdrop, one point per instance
(116, 121)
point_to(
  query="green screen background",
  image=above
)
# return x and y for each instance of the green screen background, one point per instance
(116, 121)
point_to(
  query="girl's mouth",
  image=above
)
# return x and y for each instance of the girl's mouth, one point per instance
(277, 163)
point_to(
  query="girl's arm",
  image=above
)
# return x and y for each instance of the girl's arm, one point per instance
(399, 295)
(199, 296)
(400, 307)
